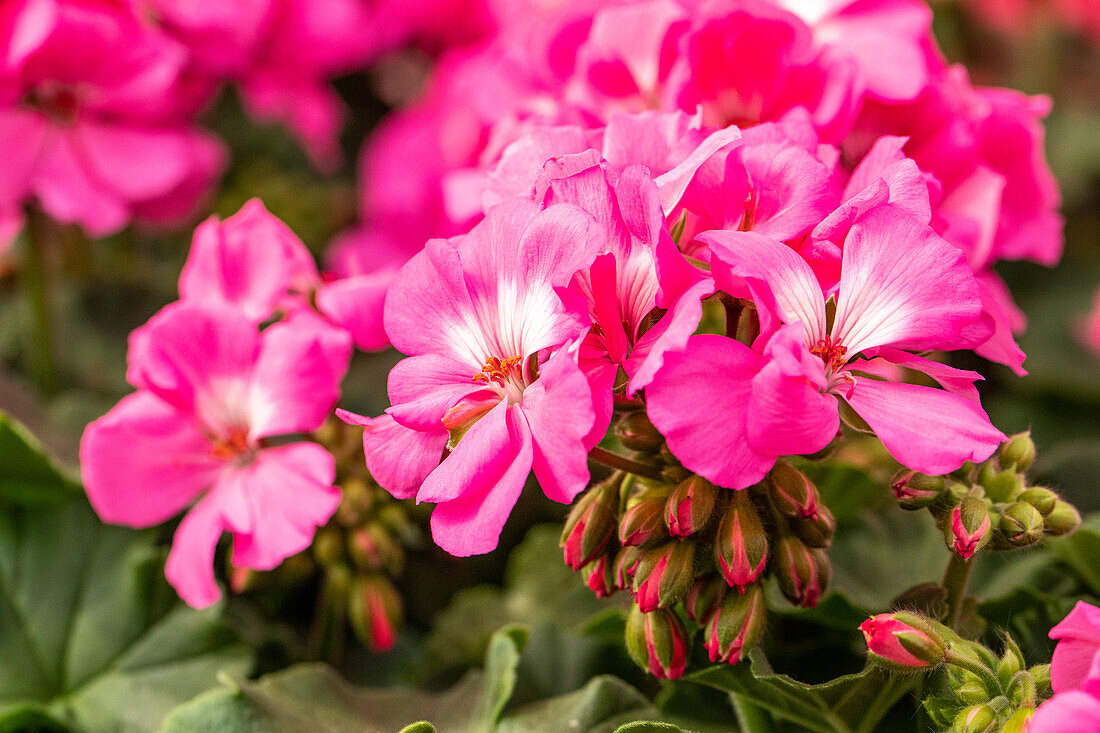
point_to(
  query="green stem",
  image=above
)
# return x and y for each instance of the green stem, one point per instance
(36, 284)
(751, 718)
(955, 579)
(894, 689)
(622, 463)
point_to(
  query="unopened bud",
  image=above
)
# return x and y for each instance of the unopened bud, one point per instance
(626, 561)
(706, 593)
(664, 575)
(742, 544)
(657, 642)
(968, 527)
(1019, 721)
(643, 523)
(1041, 498)
(916, 490)
(599, 576)
(1018, 453)
(1021, 524)
(1063, 519)
(972, 692)
(803, 572)
(1011, 662)
(791, 492)
(690, 506)
(1041, 674)
(903, 640)
(636, 432)
(976, 719)
(736, 625)
(590, 525)
(374, 609)
(817, 531)
(1000, 486)
(242, 579)
(372, 547)
(328, 546)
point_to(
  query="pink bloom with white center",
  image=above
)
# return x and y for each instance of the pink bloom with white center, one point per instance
(88, 124)
(492, 374)
(211, 389)
(641, 270)
(729, 411)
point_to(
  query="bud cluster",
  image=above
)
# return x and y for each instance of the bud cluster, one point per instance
(990, 504)
(695, 555)
(979, 692)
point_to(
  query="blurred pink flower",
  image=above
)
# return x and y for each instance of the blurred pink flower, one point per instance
(1074, 674)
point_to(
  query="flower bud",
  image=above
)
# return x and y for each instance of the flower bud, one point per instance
(1041, 498)
(374, 609)
(791, 492)
(591, 524)
(657, 642)
(242, 579)
(1011, 662)
(972, 692)
(643, 523)
(1041, 674)
(736, 625)
(1019, 721)
(328, 546)
(690, 506)
(663, 576)
(1018, 453)
(803, 572)
(1063, 519)
(742, 544)
(373, 548)
(706, 592)
(968, 527)
(1021, 525)
(626, 560)
(636, 432)
(599, 576)
(976, 719)
(815, 532)
(916, 490)
(903, 640)
(1000, 486)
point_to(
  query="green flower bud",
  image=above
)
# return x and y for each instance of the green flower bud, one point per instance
(1018, 453)
(916, 490)
(976, 719)
(972, 693)
(690, 506)
(791, 492)
(803, 572)
(1041, 674)
(1000, 486)
(372, 547)
(1019, 721)
(741, 546)
(1021, 525)
(1011, 662)
(636, 432)
(657, 642)
(1063, 519)
(706, 593)
(591, 524)
(815, 532)
(1041, 498)
(643, 523)
(736, 625)
(966, 528)
(328, 546)
(664, 575)
(374, 610)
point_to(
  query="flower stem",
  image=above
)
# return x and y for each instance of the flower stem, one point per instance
(36, 284)
(955, 579)
(622, 463)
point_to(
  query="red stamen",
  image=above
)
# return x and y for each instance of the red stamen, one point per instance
(235, 445)
(831, 352)
(496, 370)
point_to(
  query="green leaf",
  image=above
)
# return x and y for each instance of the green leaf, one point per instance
(604, 704)
(27, 475)
(91, 638)
(1080, 551)
(648, 726)
(421, 727)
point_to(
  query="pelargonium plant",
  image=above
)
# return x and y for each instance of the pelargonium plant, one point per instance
(712, 286)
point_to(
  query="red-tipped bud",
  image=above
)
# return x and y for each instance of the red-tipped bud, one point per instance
(374, 609)
(373, 547)
(791, 492)
(741, 546)
(706, 593)
(626, 562)
(241, 579)
(591, 525)
(816, 531)
(599, 576)
(1021, 524)
(736, 625)
(903, 640)
(663, 576)
(644, 522)
(976, 719)
(636, 432)
(916, 490)
(657, 642)
(690, 506)
(803, 572)
(1019, 721)
(968, 526)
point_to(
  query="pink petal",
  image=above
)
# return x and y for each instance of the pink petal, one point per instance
(144, 461)
(133, 162)
(956, 381)
(291, 492)
(902, 285)
(471, 523)
(699, 401)
(398, 458)
(671, 333)
(22, 136)
(481, 456)
(1069, 712)
(929, 430)
(1079, 642)
(790, 413)
(69, 192)
(423, 388)
(1001, 315)
(559, 412)
(190, 565)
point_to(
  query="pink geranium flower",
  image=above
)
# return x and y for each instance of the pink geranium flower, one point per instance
(211, 390)
(729, 411)
(491, 381)
(1074, 674)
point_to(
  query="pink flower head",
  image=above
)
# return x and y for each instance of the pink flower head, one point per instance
(1078, 637)
(641, 270)
(729, 411)
(211, 390)
(492, 373)
(89, 127)
(1076, 710)
(892, 639)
